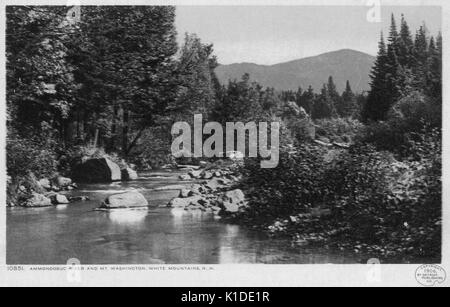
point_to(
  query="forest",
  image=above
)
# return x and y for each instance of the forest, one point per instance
(358, 171)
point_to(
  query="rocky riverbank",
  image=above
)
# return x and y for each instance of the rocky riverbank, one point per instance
(215, 191)
(209, 188)
(33, 192)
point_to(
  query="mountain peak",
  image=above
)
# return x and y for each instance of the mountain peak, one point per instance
(343, 65)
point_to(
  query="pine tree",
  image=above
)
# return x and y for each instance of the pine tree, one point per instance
(421, 46)
(298, 96)
(402, 67)
(406, 45)
(347, 105)
(393, 40)
(377, 101)
(307, 100)
(324, 105)
(434, 69)
(333, 96)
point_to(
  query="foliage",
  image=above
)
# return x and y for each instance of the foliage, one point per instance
(40, 81)
(131, 61)
(362, 199)
(409, 119)
(244, 101)
(402, 66)
(339, 129)
(346, 106)
(291, 186)
(26, 156)
(197, 80)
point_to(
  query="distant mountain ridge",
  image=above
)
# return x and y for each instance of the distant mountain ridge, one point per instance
(343, 65)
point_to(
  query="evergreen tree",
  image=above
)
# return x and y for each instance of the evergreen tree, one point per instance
(434, 74)
(307, 100)
(393, 39)
(323, 106)
(298, 96)
(347, 105)
(392, 69)
(420, 58)
(333, 96)
(377, 101)
(406, 45)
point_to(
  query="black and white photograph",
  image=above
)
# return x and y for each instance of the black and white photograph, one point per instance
(205, 135)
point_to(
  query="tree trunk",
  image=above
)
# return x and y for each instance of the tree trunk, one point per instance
(113, 128)
(134, 142)
(125, 129)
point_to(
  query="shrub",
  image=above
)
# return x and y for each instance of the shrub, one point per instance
(409, 119)
(387, 208)
(29, 155)
(339, 129)
(290, 187)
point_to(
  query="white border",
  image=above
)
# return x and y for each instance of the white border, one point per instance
(231, 275)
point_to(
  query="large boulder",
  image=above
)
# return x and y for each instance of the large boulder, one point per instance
(233, 201)
(131, 199)
(97, 170)
(129, 174)
(185, 193)
(38, 200)
(58, 199)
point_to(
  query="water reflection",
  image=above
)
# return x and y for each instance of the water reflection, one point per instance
(61, 207)
(126, 217)
(226, 252)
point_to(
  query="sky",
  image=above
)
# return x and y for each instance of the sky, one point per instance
(275, 34)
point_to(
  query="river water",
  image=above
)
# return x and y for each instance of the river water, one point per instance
(152, 236)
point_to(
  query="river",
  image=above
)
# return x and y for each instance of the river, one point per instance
(156, 235)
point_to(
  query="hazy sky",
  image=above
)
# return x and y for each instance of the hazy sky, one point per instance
(270, 34)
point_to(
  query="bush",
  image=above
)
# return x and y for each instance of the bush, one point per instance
(409, 119)
(339, 129)
(290, 187)
(29, 155)
(363, 199)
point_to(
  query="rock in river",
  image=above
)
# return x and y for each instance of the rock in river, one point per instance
(185, 193)
(129, 174)
(232, 201)
(59, 199)
(38, 200)
(97, 170)
(131, 199)
(185, 202)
